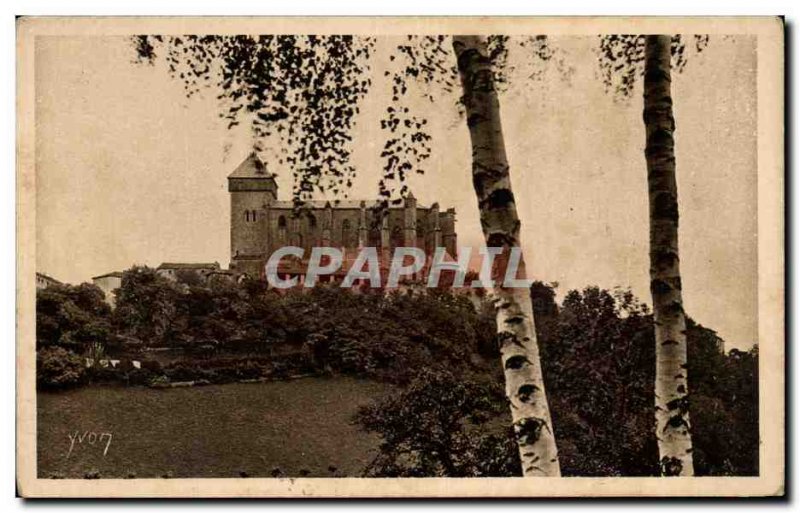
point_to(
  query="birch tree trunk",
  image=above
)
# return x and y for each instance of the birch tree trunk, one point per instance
(515, 325)
(672, 402)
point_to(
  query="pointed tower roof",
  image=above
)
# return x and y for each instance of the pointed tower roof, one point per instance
(251, 167)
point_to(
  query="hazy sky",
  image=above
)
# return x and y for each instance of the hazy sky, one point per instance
(130, 171)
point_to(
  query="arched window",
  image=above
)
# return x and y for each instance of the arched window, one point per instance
(282, 229)
(346, 235)
(247, 216)
(374, 237)
(309, 230)
(422, 236)
(397, 237)
(253, 215)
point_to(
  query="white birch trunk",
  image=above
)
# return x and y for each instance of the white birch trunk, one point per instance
(673, 429)
(515, 325)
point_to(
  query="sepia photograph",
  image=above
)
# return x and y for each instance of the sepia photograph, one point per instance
(400, 257)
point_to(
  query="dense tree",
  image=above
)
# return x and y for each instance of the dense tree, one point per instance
(723, 406)
(598, 356)
(440, 425)
(145, 305)
(438, 349)
(597, 359)
(389, 336)
(58, 368)
(71, 316)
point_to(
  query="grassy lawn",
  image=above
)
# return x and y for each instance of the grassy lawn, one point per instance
(213, 431)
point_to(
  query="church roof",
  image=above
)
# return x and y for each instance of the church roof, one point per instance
(47, 278)
(344, 203)
(251, 167)
(113, 274)
(182, 265)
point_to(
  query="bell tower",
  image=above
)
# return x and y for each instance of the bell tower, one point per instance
(252, 190)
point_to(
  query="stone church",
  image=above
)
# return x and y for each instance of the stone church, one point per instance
(261, 223)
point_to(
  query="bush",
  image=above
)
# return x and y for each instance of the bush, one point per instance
(139, 377)
(98, 374)
(229, 370)
(153, 366)
(159, 381)
(71, 316)
(443, 425)
(57, 367)
(386, 336)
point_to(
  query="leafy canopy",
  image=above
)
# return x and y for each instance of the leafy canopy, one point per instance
(300, 95)
(621, 59)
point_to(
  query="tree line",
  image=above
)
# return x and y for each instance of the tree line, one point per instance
(450, 416)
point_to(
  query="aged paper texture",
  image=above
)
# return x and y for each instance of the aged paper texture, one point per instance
(400, 257)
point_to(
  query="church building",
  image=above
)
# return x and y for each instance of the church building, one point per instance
(261, 223)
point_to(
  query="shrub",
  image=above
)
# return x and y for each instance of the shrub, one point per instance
(181, 372)
(153, 366)
(98, 374)
(57, 367)
(138, 376)
(229, 370)
(71, 316)
(159, 381)
(442, 425)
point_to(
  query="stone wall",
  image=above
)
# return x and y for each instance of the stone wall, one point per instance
(260, 223)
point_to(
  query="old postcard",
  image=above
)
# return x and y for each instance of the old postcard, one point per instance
(400, 257)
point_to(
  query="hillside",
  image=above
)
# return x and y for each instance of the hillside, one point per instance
(213, 431)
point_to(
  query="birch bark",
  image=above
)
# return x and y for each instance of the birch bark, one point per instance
(673, 429)
(501, 228)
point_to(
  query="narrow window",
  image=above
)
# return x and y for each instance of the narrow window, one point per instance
(397, 239)
(346, 233)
